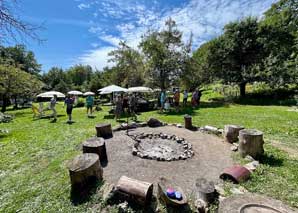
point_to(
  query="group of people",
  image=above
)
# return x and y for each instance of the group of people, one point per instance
(69, 103)
(125, 103)
(165, 102)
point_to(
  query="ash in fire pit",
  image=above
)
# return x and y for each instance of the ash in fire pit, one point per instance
(161, 147)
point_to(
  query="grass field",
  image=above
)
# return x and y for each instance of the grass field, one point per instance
(34, 177)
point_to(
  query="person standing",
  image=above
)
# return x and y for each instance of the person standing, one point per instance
(162, 100)
(118, 109)
(177, 99)
(185, 96)
(89, 104)
(53, 103)
(133, 106)
(194, 98)
(69, 101)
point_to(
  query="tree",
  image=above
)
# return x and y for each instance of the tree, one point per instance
(129, 65)
(240, 51)
(79, 74)
(165, 55)
(19, 56)
(57, 79)
(11, 26)
(14, 82)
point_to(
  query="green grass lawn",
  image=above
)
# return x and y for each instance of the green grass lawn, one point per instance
(34, 176)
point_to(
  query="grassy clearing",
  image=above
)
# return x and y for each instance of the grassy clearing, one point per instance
(34, 177)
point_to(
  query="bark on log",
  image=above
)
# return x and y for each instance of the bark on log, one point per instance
(84, 171)
(231, 133)
(134, 190)
(251, 143)
(188, 122)
(205, 190)
(104, 130)
(96, 145)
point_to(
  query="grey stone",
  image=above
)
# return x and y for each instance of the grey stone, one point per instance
(234, 148)
(179, 125)
(153, 122)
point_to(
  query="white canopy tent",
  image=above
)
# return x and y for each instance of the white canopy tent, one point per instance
(111, 89)
(51, 94)
(75, 92)
(89, 93)
(139, 89)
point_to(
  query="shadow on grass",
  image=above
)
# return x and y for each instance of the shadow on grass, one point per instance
(109, 117)
(81, 194)
(271, 160)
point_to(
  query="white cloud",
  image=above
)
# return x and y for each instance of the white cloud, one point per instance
(128, 20)
(98, 58)
(83, 6)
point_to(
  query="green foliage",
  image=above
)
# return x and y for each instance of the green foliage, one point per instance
(19, 56)
(165, 54)
(129, 66)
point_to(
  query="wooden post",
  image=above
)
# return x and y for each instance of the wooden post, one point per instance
(251, 143)
(104, 130)
(96, 145)
(134, 190)
(231, 133)
(84, 171)
(188, 122)
(205, 190)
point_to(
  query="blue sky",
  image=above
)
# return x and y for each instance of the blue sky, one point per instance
(84, 31)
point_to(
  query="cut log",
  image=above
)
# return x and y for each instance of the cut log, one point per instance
(231, 133)
(188, 122)
(134, 190)
(205, 191)
(96, 145)
(84, 171)
(104, 130)
(251, 143)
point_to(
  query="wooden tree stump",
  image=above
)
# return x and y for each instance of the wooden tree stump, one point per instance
(231, 133)
(205, 190)
(104, 130)
(96, 145)
(84, 171)
(134, 190)
(251, 143)
(188, 122)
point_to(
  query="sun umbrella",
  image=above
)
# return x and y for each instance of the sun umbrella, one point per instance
(139, 89)
(89, 93)
(111, 89)
(75, 92)
(51, 94)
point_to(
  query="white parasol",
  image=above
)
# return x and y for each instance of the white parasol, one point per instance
(75, 92)
(51, 94)
(89, 93)
(111, 89)
(139, 89)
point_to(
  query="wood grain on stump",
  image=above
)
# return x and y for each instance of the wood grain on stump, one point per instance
(134, 190)
(84, 172)
(231, 133)
(104, 130)
(251, 143)
(96, 145)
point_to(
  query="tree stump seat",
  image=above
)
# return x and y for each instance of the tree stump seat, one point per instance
(96, 145)
(231, 133)
(104, 130)
(251, 143)
(84, 171)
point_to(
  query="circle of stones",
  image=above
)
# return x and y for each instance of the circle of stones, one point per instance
(187, 153)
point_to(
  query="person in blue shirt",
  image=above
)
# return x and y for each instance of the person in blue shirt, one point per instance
(69, 101)
(89, 103)
(162, 100)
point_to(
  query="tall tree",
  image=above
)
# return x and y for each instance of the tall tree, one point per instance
(21, 57)
(129, 65)
(79, 74)
(165, 55)
(57, 79)
(240, 51)
(15, 83)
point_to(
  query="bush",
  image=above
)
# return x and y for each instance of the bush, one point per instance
(80, 102)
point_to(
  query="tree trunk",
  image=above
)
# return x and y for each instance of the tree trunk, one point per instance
(242, 87)
(104, 130)
(4, 104)
(231, 133)
(134, 190)
(84, 171)
(251, 143)
(96, 145)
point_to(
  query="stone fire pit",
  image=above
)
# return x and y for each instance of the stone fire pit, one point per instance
(161, 147)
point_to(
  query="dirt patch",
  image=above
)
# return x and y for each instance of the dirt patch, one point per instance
(211, 156)
(291, 151)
